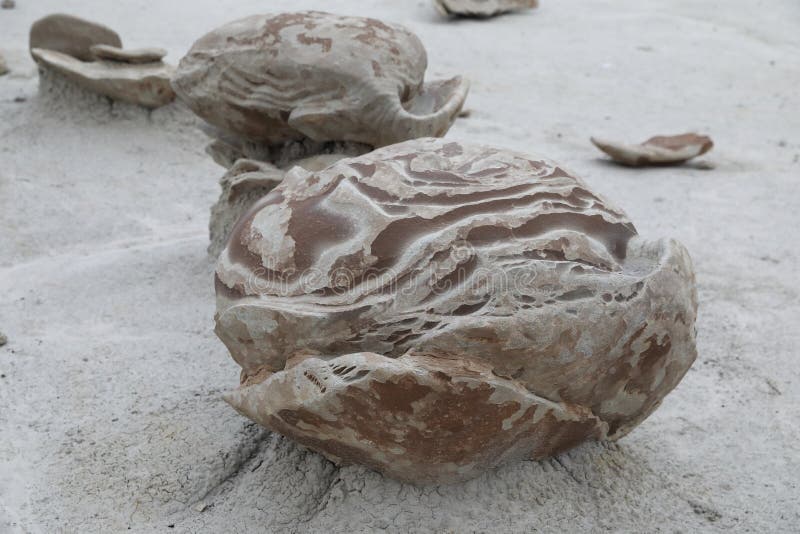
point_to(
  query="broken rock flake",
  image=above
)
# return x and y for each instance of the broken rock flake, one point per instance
(658, 150)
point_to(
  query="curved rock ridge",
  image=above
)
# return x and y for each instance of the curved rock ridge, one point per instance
(461, 253)
(276, 78)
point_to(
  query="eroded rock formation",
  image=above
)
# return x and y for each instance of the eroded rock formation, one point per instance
(144, 84)
(280, 89)
(91, 56)
(277, 78)
(432, 309)
(71, 36)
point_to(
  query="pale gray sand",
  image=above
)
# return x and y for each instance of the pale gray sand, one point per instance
(110, 409)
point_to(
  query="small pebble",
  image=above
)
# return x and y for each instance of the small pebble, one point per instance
(3, 339)
(8, 4)
(200, 507)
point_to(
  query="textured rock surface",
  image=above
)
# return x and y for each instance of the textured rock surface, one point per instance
(137, 55)
(658, 150)
(145, 84)
(71, 35)
(109, 445)
(248, 180)
(244, 184)
(274, 78)
(418, 418)
(482, 8)
(459, 252)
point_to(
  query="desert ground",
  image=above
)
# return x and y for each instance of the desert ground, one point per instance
(111, 417)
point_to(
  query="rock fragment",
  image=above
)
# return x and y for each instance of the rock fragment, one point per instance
(3, 67)
(482, 8)
(383, 308)
(71, 36)
(658, 150)
(136, 55)
(8, 4)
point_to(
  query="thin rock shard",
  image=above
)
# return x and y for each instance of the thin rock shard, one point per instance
(482, 8)
(388, 307)
(658, 150)
(136, 55)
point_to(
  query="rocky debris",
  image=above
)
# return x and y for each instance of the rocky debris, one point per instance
(71, 36)
(482, 8)
(432, 309)
(8, 4)
(3, 339)
(136, 55)
(278, 78)
(3, 67)
(143, 84)
(658, 150)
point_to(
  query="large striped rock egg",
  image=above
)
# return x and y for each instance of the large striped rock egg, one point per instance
(432, 309)
(315, 75)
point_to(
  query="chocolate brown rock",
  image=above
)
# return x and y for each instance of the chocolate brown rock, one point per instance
(71, 36)
(658, 150)
(278, 78)
(482, 8)
(431, 277)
